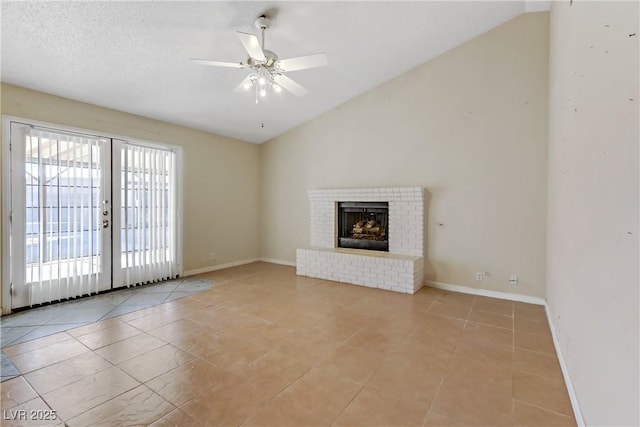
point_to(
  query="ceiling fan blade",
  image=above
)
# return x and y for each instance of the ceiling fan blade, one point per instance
(304, 62)
(218, 63)
(290, 85)
(241, 88)
(252, 46)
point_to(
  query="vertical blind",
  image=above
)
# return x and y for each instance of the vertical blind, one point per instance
(148, 217)
(63, 175)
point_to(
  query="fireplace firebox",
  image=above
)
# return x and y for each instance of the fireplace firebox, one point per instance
(363, 225)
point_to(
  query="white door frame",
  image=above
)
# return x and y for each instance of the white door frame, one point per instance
(5, 206)
(5, 280)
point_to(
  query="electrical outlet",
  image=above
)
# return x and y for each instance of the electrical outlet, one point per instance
(479, 276)
(513, 279)
(212, 256)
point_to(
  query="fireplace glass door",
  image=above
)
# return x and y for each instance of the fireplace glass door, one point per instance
(363, 225)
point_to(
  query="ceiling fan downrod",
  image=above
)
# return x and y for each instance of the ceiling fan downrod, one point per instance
(262, 22)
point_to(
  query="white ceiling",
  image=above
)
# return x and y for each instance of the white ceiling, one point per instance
(134, 56)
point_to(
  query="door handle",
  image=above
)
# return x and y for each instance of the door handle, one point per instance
(105, 223)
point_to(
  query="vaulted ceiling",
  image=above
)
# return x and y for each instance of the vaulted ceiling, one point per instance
(134, 56)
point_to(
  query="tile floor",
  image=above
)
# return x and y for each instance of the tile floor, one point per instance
(44, 321)
(265, 347)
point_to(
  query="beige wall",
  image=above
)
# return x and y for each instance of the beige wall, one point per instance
(470, 126)
(592, 255)
(221, 175)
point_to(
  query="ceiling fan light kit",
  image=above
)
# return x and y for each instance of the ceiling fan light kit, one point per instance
(267, 70)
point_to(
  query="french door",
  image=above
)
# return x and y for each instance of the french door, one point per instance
(145, 213)
(69, 192)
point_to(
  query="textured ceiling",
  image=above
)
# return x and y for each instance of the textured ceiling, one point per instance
(134, 56)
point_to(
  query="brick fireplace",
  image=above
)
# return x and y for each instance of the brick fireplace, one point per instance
(400, 269)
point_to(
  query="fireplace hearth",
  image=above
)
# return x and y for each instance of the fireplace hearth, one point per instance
(363, 225)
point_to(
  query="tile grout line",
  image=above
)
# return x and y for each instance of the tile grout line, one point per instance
(279, 393)
(433, 401)
(41, 396)
(349, 403)
(114, 397)
(62, 361)
(542, 408)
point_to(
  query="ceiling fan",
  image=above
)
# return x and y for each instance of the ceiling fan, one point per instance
(267, 70)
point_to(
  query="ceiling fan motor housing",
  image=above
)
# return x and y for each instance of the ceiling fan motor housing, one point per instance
(271, 57)
(262, 22)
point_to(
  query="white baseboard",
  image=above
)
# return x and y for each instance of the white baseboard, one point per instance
(565, 371)
(278, 261)
(487, 293)
(218, 267)
(235, 264)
